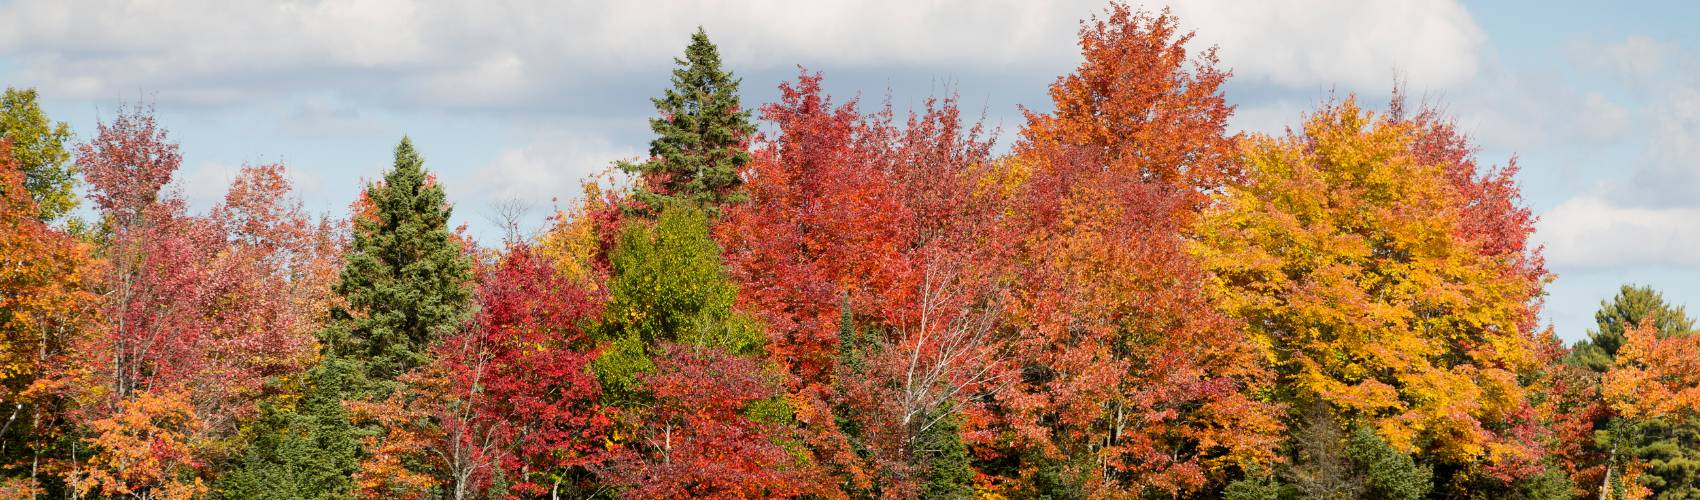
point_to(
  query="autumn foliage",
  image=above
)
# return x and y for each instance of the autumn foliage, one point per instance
(818, 297)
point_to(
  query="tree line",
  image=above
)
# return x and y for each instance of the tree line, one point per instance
(1132, 301)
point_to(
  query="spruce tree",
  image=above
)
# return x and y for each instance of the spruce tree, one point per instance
(310, 450)
(407, 280)
(701, 135)
(406, 283)
(943, 458)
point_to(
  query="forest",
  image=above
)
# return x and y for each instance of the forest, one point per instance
(819, 297)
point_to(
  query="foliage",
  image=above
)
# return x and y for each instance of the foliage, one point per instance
(39, 150)
(510, 402)
(146, 450)
(668, 285)
(701, 136)
(701, 438)
(44, 305)
(1342, 253)
(1113, 313)
(1631, 306)
(1130, 302)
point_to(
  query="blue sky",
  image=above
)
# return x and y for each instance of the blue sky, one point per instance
(521, 99)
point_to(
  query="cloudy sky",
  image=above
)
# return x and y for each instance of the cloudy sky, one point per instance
(520, 99)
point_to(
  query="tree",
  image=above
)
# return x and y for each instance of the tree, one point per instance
(865, 218)
(406, 281)
(304, 447)
(44, 306)
(1341, 252)
(1632, 305)
(39, 148)
(714, 429)
(147, 451)
(668, 285)
(1127, 367)
(701, 136)
(510, 403)
(1653, 385)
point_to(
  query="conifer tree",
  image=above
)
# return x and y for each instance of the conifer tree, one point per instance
(407, 281)
(1632, 305)
(701, 135)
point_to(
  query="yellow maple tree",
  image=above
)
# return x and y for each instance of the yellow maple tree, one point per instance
(1341, 253)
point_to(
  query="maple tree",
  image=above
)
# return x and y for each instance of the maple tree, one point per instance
(512, 402)
(1341, 252)
(44, 305)
(881, 218)
(148, 449)
(711, 431)
(1119, 394)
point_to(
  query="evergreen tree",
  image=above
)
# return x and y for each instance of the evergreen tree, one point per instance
(1386, 472)
(1631, 305)
(310, 451)
(407, 280)
(943, 457)
(701, 135)
(38, 144)
(1670, 450)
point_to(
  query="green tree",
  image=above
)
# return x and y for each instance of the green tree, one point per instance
(1669, 448)
(308, 451)
(669, 285)
(38, 144)
(1386, 472)
(1631, 305)
(943, 458)
(407, 278)
(701, 135)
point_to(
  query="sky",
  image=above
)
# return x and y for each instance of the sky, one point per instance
(519, 100)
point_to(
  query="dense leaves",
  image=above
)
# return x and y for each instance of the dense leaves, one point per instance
(856, 302)
(40, 150)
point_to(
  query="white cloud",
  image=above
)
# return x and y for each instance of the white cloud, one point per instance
(1352, 45)
(550, 166)
(455, 54)
(1589, 232)
(1668, 173)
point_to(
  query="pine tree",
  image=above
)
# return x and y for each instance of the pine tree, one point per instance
(1631, 305)
(407, 280)
(38, 144)
(701, 135)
